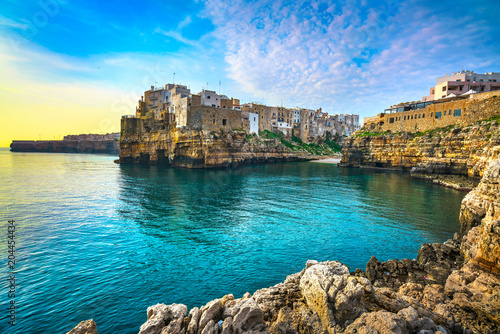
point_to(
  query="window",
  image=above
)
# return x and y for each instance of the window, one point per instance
(459, 80)
(444, 88)
(444, 113)
(404, 118)
(411, 116)
(438, 114)
(255, 119)
(214, 121)
(431, 114)
(457, 112)
(223, 122)
(480, 80)
(208, 97)
(423, 115)
(391, 120)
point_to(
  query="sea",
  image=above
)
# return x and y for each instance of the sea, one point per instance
(97, 240)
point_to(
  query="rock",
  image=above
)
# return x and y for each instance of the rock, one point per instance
(227, 326)
(211, 311)
(85, 327)
(410, 315)
(382, 322)
(211, 328)
(311, 263)
(247, 316)
(319, 285)
(194, 316)
(160, 315)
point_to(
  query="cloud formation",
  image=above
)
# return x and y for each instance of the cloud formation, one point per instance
(345, 55)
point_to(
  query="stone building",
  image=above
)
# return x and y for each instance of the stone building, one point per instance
(440, 113)
(209, 111)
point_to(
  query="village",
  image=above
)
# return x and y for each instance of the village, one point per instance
(212, 112)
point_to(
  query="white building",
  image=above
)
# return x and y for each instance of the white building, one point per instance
(210, 98)
(254, 122)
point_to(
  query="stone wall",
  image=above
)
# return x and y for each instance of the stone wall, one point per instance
(462, 112)
(215, 119)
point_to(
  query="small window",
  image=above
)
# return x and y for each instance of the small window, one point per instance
(423, 115)
(431, 114)
(391, 120)
(208, 96)
(480, 80)
(457, 112)
(223, 122)
(438, 114)
(444, 88)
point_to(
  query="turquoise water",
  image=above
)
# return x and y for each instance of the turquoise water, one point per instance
(103, 241)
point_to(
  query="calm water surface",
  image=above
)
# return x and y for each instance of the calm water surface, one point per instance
(103, 241)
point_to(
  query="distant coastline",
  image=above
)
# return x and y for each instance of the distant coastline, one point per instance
(88, 143)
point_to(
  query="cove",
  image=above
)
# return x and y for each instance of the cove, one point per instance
(104, 241)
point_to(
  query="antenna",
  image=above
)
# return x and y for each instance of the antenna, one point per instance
(173, 81)
(219, 86)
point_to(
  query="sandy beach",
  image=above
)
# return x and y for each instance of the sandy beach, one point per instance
(328, 161)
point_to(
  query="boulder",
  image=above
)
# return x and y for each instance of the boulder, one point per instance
(85, 327)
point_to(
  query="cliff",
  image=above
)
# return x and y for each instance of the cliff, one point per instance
(451, 288)
(146, 141)
(455, 150)
(66, 146)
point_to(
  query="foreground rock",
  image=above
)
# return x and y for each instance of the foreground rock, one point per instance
(85, 327)
(451, 288)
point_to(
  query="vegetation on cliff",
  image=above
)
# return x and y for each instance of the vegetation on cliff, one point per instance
(328, 146)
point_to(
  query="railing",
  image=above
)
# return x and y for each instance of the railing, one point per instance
(128, 116)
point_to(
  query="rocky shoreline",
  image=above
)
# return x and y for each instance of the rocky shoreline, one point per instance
(452, 287)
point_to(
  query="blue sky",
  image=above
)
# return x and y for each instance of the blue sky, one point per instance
(344, 56)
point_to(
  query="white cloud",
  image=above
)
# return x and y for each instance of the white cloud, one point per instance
(344, 56)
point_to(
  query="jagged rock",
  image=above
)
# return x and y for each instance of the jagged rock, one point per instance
(85, 327)
(160, 315)
(211, 328)
(410, 315)
(247, 316)
(319, 284)
(211, 311)
(382, 322)
(194, 319)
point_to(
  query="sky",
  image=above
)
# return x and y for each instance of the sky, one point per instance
(69, 67)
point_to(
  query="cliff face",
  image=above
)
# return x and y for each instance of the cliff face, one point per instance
(456, 150)
(66, 146)
(451, 288)
(148, 142)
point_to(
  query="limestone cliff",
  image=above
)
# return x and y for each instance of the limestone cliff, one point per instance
(456, 150)
(451, 288)
(146, 141)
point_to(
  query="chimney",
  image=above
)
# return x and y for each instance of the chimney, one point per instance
(152, 87)
(142, 98)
